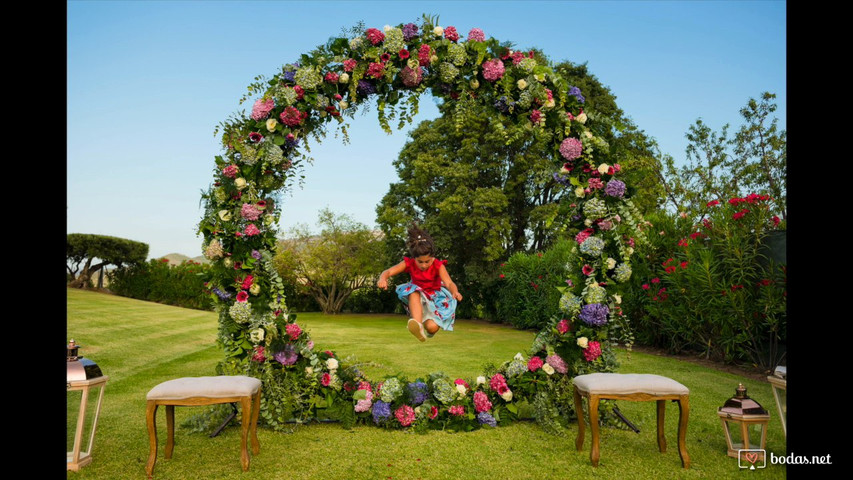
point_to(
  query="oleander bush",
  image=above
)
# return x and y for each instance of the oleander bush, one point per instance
(181, 285)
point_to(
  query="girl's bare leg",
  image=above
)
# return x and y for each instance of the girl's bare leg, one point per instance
(415, 309)
(431, 326)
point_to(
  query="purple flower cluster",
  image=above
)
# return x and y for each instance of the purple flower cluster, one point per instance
(410, 31)
(381, 411)
(594, 314)
(287, 356)
(577, 93)
(571, 148)
(418, 392)
(222, 295)
(485, 418)
(366, 88)
(290, 74)
(504, 105)
(476, 35)
(557, 362)
(256, 254)
(615, 188)
(262, 108)
(565, 181)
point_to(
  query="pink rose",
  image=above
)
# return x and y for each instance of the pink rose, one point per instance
(326, 380)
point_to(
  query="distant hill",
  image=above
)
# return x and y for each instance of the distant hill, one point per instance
(178, 258)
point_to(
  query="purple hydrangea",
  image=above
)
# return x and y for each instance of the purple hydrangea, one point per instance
(410, 31)
(594, 314)
(615, 188)
(558, 363)
(256, 254)
(381, 411)
(418, 392)
(291, 142)
(287, 356)
(366, 88)
(222, 295)
(504, 105)
(485, 418)
(571, 148)
(565, 181)
(577, 93)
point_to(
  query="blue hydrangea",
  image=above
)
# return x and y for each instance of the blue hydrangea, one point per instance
(570, 303)
(391, 389)
(595, 208)
(622, 272)
(594, 314)
(516, 368)
(381, 411)
(418, 392)
(577, 94)
(595, 294)
(485, 418)
(592, 246)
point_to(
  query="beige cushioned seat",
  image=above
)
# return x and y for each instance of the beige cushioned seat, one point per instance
(628, 383)
(209, 387)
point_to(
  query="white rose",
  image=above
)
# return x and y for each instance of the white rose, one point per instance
(522, 84)
(611, 263)
(581, 118)
(507, 395)
(579, 192)
(461, 390)
(344, 78)
(240, 183)
(548, 369)
(228, 263)
(588, 134)
(588, 222)
(309, 371)
(550, 103)
(257, 335)
(343, 105)
(271, 123)
(481, 380)
(225, 215)
(519, 356)
(629, 250)
(603, 168)
(438, 31)
(387, 28)
(583, 342)
(618, 298)
(255, 289)
(332, 364)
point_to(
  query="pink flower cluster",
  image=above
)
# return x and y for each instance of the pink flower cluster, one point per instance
(332, 77)
(583, 235)
(563, 326)
(262, 108)
(258, 354)
(457, 410)
(571, 148)
(459, 381)
(375, 36)
(423, 54)
(247, 282)
(375, 70)
(325, 380)
(411, 76)
(451, 34)
(592, 351)
(349, 64)
(535, 363)
(252, 230)
(250, 212)
(365, 386)
(557, 362)
(476, 35)
(481, 402)
(405, 415)
(364, 405)
(291, 116)
(498, 383)
(596, 183)
(293, 330)
(536, 117)
(493, 69)
(230, 171)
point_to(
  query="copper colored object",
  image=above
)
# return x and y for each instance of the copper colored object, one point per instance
(741, 404)
(77, 367)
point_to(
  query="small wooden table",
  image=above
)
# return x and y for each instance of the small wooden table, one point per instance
(634, 387)
(197, 391)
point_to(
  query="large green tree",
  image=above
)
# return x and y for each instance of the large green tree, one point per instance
(483, 197)
(343, 257)
(84, 249)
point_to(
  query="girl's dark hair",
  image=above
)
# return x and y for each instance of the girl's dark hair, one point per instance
(419, 242)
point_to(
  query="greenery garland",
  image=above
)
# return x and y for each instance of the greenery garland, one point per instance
(262, 158)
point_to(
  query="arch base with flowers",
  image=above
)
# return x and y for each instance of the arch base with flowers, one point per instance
(262, 159)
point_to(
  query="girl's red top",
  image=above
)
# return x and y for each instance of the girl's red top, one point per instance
(428, 279)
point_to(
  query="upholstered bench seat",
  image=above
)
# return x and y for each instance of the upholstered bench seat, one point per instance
(196, 391)
(638, 387)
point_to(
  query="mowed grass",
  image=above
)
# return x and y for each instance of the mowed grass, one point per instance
(140, 344)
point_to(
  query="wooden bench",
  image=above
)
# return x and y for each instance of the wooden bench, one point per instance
(634, 387)
(198, 391)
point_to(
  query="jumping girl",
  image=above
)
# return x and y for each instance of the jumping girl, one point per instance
(431, 305)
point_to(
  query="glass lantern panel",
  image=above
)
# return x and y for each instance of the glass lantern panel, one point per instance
(73, 399)
(755, 432)
(733, 434)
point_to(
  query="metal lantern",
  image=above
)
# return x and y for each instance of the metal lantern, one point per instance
(745, 424)
(83, 376)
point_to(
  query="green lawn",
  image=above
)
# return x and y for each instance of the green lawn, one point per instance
(140, 344)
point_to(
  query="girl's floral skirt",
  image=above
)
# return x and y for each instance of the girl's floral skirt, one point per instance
(439, 306)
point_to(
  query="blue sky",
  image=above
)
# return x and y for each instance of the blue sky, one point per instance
(148, 81)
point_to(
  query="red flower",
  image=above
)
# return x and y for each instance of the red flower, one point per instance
(326, 380)
(683, 265)
(424, 53)
(329, 353)
(459, 381)
(587, 270)
(656, 280)
(385, 57)
(666, 262)
(349, 64)
(451, 34)
(300, 92)
(242, 296)
(683, 242)
(332, 77)
(375, 70)
(670, 269)
(404, 54)
(563, 326)
(740, 214)
(247, 282)
(764, 282)
(255, 137)
(713, 203)
(258, 354)
(534, 364)
(502, 275)
(375, 36)
(775, 221)
(645, 286)
(433, 412)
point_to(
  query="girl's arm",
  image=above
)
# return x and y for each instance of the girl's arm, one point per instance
(384, 276)
(445, 277)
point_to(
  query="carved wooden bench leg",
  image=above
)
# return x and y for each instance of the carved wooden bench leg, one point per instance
(256, 409)
(150, 419)
(661, 425)
(581, 426)
(170, 429)
(683, 414)
(593, 425)
(246, 403)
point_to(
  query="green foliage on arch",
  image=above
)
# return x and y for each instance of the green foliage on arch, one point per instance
(394, 66)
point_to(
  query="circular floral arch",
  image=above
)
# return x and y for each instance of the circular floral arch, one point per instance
(396, 65)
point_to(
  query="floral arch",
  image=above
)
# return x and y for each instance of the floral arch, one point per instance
(262, 157)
